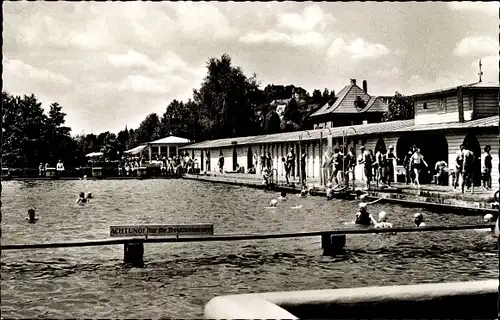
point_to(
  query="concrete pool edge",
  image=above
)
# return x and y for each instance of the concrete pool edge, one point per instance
(280, 305)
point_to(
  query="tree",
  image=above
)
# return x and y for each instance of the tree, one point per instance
(225, 101)
(316, 96)
(272, 122)
(326, 95)
(147, 129)
(291, 116)
(400, 108)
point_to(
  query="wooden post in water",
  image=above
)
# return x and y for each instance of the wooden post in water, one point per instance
(332, 244)
(134, 254)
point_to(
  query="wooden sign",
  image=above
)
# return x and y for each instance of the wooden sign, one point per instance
(162, 230)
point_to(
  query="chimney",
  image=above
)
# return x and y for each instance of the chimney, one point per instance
(353, 81)
(365, 86)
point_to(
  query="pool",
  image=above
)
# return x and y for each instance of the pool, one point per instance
(180, 278)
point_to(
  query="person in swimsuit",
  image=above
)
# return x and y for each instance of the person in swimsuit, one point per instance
(382, 221)
(406, 165)
(418, 219)
(81, 198)
(283, 196)
(486, 167)
(366, 160)
(31, 216)
(392, 159)
(363, 217)
(89, 196)
(417, 163)
(337, 166)
(467, 169)
(221, 163)
(458, 168)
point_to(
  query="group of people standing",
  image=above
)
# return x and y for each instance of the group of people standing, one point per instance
(379, 166)
(42, 169)
(463, 174)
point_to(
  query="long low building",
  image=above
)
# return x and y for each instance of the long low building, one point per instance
(438, 133)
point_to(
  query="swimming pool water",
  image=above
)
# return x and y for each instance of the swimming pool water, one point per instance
(180, 278)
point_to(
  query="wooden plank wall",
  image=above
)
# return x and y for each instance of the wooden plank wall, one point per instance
(486, 104)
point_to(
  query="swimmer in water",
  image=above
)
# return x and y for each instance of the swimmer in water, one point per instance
(310, 190)
(418, 218)
(89, 196)
(31, 216)
(382, 221)
(488, 218)
(283, 196)
(363, 217)
(273, 203)
(303, 193)
(81, 198)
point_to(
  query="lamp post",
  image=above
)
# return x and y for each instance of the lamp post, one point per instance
(344, 135)
(300, 156)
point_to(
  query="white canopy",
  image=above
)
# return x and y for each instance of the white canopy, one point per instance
(172, 140)
(94, 154)
(136, 150)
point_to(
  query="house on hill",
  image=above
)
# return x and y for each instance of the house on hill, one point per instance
(353, 106)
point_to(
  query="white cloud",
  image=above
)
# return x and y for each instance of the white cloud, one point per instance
(490, 8)
(358, 49)
(202, 20)
(312, 17)
(476, 45)
(394, 72)
(296, 39)
(13, 67)
(130, 59)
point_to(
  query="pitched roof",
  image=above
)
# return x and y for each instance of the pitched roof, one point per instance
(474, 85)
(171, 140)
(337, 132)
(345, 102)
(376, 104)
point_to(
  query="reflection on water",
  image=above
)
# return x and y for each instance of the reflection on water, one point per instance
(180, 278)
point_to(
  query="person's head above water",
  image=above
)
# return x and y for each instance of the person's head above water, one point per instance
(283, 194)
(89, 195)
(31, 214)
(82, 195)
(418, 218)
(488, 218)
(273, 203)
(382, 216)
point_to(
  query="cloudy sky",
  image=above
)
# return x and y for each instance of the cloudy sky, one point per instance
(110, 64)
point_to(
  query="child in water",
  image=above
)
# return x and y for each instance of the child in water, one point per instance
(282, 196)
(382, 221)
(31, 216)
(89, 196)
(418, 218)
(363, 217)
(273, 203)
(81, 198)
